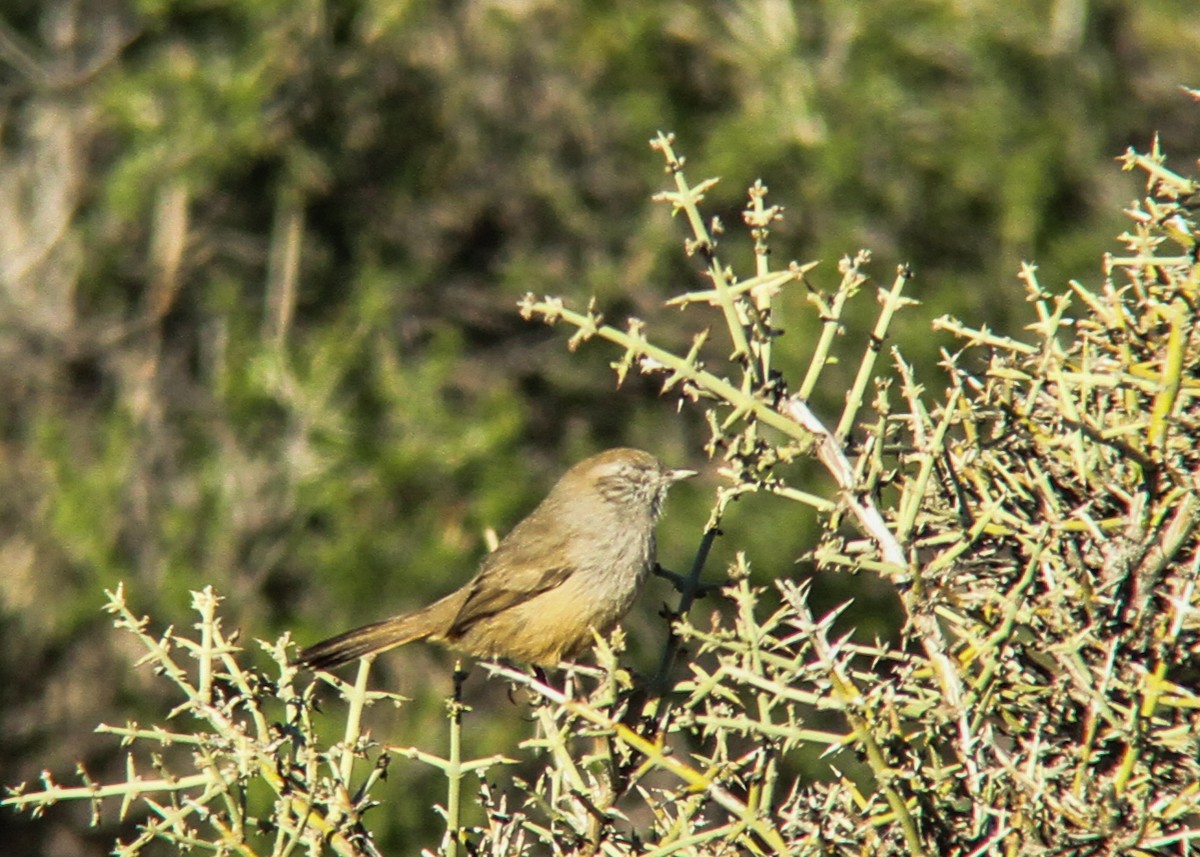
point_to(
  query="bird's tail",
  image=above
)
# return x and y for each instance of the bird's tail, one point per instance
(432, 621)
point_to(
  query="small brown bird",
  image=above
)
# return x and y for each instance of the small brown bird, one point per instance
(573, 566)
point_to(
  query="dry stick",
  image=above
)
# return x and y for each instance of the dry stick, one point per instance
(358, 700)
(684, 199)
(1172, 377)
(553, 310)
(759, 218)
(206, 604)
(911, 502)
(891, 302)
(53, 793)
(454, 771)
(830, 454)
(1152, 164)
(831, 320)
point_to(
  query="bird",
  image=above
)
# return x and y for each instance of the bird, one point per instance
(570, 569)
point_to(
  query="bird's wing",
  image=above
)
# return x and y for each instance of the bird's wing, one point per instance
(516, 571)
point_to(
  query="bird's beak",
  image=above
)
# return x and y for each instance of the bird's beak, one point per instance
(673, 476)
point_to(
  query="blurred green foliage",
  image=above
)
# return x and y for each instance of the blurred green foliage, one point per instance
(259, 260)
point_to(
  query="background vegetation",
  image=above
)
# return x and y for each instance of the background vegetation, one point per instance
(259, 265)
